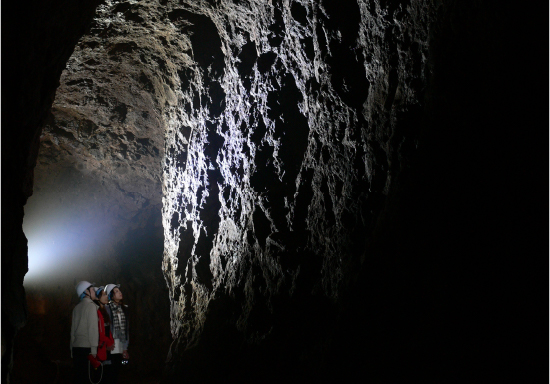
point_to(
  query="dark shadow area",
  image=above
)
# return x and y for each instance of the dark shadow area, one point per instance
(450, 290)
(34, 57)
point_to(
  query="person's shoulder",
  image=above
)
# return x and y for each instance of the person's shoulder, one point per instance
(91, 306)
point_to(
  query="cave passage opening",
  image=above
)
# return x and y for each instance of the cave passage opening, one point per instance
(98, 178)
(96, 209)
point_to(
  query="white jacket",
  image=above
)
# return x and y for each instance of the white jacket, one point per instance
(84, 328)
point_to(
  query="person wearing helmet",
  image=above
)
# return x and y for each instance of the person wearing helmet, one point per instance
(84, 331)
(106, 341)
(118, 313)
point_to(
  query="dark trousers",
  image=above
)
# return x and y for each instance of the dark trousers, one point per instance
(80, 365)
(112, 370)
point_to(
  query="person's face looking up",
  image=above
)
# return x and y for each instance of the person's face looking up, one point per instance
(91, 291)
(103, 297)
(117, 294)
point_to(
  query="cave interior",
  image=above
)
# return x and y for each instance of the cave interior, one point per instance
(286, 190)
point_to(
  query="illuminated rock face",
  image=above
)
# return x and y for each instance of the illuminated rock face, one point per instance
(111, 110)
(271, 137)
(286, 144)
(294, 122)
(274, 132)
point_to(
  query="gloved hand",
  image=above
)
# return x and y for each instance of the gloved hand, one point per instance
(95, 363)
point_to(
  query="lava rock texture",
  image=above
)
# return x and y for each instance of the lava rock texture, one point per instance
(109, 114)
(287, 176)
(296, 124)
(340, 185)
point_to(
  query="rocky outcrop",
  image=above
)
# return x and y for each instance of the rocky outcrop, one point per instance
(296, 180)
(292, 138)
(109, 115)
(333, 194)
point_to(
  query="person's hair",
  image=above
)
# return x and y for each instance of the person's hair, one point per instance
(121, 302)
(106, 318)
(123, 308)
(102, 309)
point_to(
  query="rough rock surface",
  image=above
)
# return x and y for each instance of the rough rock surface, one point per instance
(335, 182)
(288, 172)
(109, 115)
(297, 122)
(98, 175)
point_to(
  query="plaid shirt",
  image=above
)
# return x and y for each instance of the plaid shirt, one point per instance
(119, 325)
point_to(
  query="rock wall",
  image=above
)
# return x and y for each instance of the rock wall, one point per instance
(307, 234)
(280, 168)
(342, 191)
(98, 188)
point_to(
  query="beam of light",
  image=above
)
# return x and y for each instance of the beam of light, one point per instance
(60, 245)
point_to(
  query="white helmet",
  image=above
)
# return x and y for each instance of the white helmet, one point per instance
(82, 286)
(109, 288)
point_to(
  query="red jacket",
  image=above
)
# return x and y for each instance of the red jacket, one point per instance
(104, 341)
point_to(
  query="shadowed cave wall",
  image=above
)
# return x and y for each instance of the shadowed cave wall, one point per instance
(341, 186)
